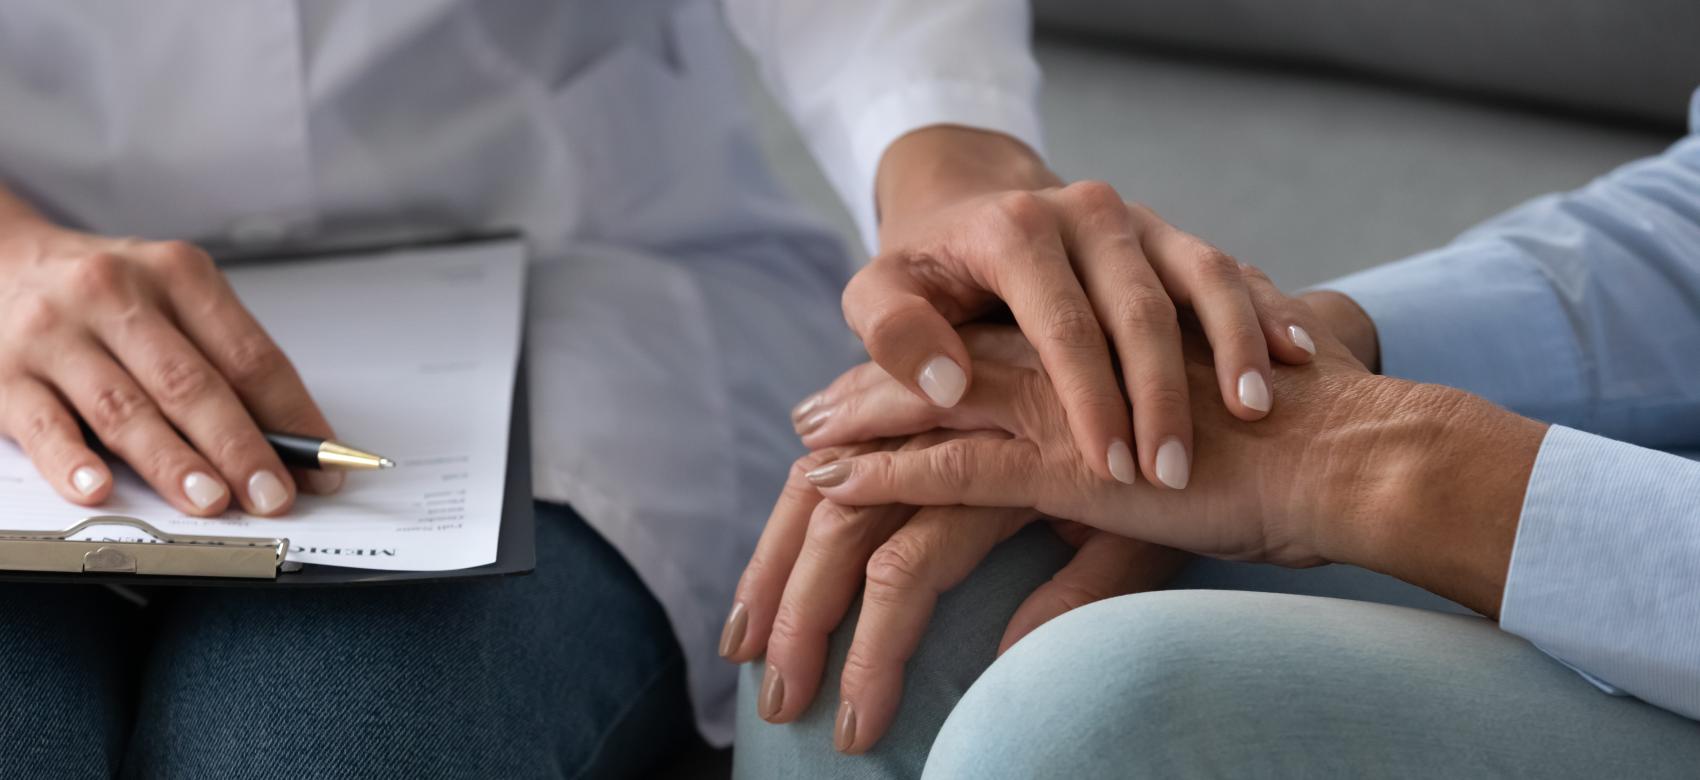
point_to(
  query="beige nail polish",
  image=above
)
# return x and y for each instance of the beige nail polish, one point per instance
(813, 422)
(1254, 391)
(87, 480)
(831, 475)
(266, 492)
(772, 694)
(203, 491)
(732, 636)
(805, 406)
(942, 380)
(844, 729)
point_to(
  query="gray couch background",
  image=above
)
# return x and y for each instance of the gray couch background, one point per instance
(1317, 137)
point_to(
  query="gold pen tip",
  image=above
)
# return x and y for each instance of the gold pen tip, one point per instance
(386, 463)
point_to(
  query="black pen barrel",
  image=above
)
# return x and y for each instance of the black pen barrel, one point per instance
(300, 452)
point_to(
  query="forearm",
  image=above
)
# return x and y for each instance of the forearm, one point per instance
(1434, 492)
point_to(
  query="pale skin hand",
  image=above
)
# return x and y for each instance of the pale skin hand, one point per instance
(147, 344)
(814, 556)
(1419, 482)
(972, 219)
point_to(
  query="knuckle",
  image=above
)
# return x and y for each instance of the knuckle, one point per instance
(182, 381)
(229, 448)
(33, 317)
(788, 626)
(254, 359)
(114, 408)
(1146, 308)
(1158, 394)
(897, 565)
(1217, 268)
(1023, 211)
(1097, 197)
(101, 275)
(181, 258)
(37, 429)
(838, 527)
(1073, 327)
(858, 665)
(1253, 273)
(951, 464)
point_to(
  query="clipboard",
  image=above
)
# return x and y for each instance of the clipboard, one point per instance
(238, 561)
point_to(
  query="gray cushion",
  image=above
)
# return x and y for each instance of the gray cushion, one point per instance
(1637, 58)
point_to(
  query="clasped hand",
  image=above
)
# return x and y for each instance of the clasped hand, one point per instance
(1007, 447)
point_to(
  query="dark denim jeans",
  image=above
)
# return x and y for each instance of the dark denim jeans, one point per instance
(568, 672)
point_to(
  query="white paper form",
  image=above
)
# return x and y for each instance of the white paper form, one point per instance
(411, 355)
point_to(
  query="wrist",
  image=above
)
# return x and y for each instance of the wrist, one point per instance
(933, 167)
(1430, 489)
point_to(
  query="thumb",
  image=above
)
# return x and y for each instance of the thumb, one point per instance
(1105, 566)
(905, 333)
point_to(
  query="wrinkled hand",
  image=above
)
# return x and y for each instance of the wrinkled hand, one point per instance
(148, 344)
(1256, 487)
(1087, 277)
(814, 556)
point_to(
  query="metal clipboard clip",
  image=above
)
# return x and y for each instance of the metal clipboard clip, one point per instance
(177, 555)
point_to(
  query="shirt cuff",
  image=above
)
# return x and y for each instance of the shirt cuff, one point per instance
(981, 106)
(1478, 316)
(1605, 565)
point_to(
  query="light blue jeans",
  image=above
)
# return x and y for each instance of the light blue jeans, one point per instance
(1241, 670)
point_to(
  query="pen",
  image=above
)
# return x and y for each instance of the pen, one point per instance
(309, 452)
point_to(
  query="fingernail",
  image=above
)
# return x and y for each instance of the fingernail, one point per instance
(844, 730)
(203, 491)
(772, 694)
(1254, 391)
(805, 406)
(1301, 338)
(1172, 467)
(831, 475)
(87, 480)
(732, 636)
(266, 492)
(943, 381)
(813, 422)
(324, 482)
(1121, 462)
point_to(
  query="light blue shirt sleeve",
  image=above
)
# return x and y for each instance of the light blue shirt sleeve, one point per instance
(1582, 309)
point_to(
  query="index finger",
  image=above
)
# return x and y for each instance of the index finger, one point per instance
(1034, 276)
(931, 554)
(213, 317)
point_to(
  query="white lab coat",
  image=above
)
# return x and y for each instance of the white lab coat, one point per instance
(679, 301)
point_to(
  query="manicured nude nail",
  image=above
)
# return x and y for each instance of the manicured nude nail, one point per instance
(1121, 462)
(813, 422)
(772, 694)
(324, 482)
(831, 475)
(1254, 391)
(1173, 469)
(807, 405)
(266, 492)
(87, 480)
(732, 636)
(203, 491)
(844, 728)
(942, 380)
(1301, 338)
